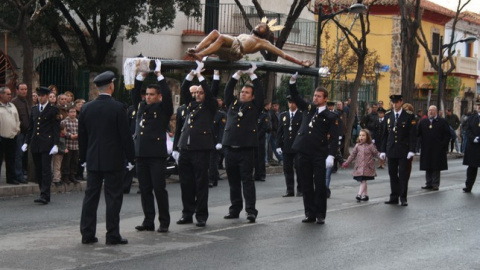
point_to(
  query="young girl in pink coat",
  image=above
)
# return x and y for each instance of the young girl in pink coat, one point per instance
(363, 153)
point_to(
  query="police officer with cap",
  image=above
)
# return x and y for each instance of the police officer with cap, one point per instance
(472, 149)
(42, 138)
(398, 144)
(290, 122)
(105, 143)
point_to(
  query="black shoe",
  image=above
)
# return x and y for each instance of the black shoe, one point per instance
(89, 241)
(201, 224)
(162, 229)
(299, 194)
(57, 184)
(74, 181)
(251, 218)
(41, 201)
(210, 185)
(126, 191)
(138, 191)
(359, 198)
(467, 190)
(185, 221)
(22, 181)
(391, 202)
(121, 241)
(320, 221)
(144, 228)
(13, 182)
(435, 188)
(329, 193)
(220, 179)
(427, 187)
(365, 198)
(261, 179)
(288, 194)
(308, 220)
(231, 216)
(404, 203)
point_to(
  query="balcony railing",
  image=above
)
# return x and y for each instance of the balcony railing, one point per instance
(464, 65)
(227, 19)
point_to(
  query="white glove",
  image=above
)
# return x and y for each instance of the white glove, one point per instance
(383, 156)
(84, 164)
(218, 146)
(175, 155)
(293, 79)
(373, 141)
(279, 151)
(130, 166)
(200, 68)
(474, 140)
(158, 64)
(410, 155)
(251, 70)
(329, 162)
(54, 150)
(24, 147)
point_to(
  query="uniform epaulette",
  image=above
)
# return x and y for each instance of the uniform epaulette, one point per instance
(387, 112)
(409, 112)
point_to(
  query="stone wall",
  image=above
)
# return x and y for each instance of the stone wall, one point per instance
(396, 64)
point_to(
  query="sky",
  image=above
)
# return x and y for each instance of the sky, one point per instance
(474, 5)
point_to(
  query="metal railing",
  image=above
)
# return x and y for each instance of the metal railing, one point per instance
(227, 19)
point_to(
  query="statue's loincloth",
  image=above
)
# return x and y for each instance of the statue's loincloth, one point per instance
(234, 53)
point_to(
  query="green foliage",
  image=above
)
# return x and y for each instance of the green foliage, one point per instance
(304, 86)
(453, 84)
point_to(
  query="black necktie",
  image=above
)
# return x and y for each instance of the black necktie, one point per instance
(291, 115)
(41, 108)
(396, 116)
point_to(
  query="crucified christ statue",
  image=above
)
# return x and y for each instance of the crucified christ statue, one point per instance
(234, 48)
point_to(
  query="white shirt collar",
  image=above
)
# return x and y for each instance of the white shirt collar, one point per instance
(321, 109)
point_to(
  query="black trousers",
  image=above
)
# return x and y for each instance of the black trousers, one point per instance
(213, 174)
(193, 174)
(70, 163)
(399, 170)
(290, 161)
(43, 173)
(113, 191)
(312, 173)
(8, 148)
(151, 177)
(239, 163)
(471, 176)
(260, 172)
(432, 178)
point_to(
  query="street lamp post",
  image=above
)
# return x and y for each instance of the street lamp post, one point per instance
(355, 8)
(441, 84)
(377, 69)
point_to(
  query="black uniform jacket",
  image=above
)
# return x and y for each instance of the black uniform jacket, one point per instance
(287, 133)
(241, 127)
(472, 150)
(44, 129)
(152, 123)
(435, 137)
(399, 138)
(196, 133)
(104, 138)
(317, 130)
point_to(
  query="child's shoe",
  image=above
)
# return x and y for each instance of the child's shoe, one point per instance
(364, 198)
(358, 198)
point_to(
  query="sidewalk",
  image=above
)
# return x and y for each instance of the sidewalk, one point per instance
(7, 190)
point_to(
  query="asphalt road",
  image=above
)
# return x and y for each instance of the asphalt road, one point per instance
(438, 230)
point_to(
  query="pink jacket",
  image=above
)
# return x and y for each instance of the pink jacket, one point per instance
(364, 155)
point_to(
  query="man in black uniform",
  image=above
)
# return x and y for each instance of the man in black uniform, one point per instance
(43, 135)
(472, 149)
(317, 145)
(399, 141)
(218, 127)
(435, 134)
(290, 122)
(195, 144)
(240, 139)
(264, 126)
(105, 143)
(153, 118)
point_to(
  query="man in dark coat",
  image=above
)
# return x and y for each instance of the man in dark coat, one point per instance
(105, 143)
(399, 140)
(264, 126)
(42, 137)
(472, 149)
(435, 135)
(290, 122)
(240, 139)
(195, 144)
(316, 144)
(152, 121)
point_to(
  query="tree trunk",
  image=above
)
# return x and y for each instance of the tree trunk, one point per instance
(353, 105)
(409, 58)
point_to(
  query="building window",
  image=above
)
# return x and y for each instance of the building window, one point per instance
(469, 49)
(435, 43)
